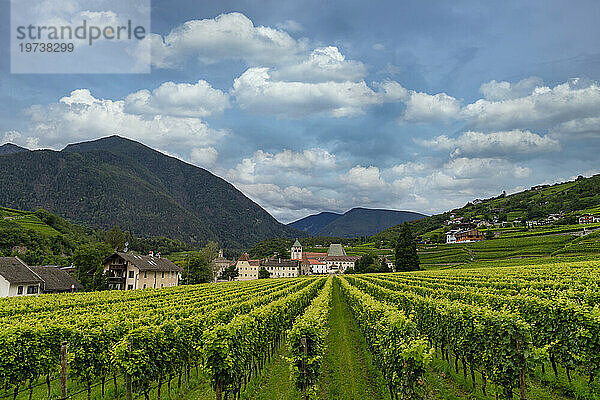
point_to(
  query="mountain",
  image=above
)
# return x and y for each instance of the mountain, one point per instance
(313, 224)
(569, 199)
(9, 148)
(117, 181)
(353, 223)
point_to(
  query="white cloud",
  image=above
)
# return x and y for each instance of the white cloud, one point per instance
(498, 91)
(204, 156)
(323, 64)
(485, 168)
(230, 36)
(307, 159)
(543, 109)
(364, 177)
(255, 91)
(290, 25)
(81, 116)
(423, 107)
(505, 143)
(407, 168)
(378, 47)
(178, 99)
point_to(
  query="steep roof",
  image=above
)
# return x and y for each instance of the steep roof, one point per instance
(148, 263)
(276, 262)
(296, 244)
(343, 258)
(244, 257)
(336, 249)
(55, 279)
(16, 271)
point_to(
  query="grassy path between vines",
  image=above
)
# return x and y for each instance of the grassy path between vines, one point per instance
(348, 371)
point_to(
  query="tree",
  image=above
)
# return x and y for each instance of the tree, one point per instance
(489, 234)
(230, 273)
(116, 238)
(88, 260)
(199, 266)
(407, 258)
(263, 273)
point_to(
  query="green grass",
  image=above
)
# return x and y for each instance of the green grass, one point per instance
(274, 383)
(27, 220)
(348, 371)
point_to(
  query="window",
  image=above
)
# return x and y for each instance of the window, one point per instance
(163, 275)
(144, 286)
(32, 289)
(145, 274)
(131, 274)
(20, 290)
(162, 285)
(129, 287)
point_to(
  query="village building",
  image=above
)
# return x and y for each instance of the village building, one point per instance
(247, 268)
(56, 280)
(279, 268)
(589, 219)
(128, 271)
(463, 236)
(17, 279)
(332, 262)
(221, 263)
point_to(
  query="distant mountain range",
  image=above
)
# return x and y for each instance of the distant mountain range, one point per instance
(117, 181)
(10, 148)
(353, 223)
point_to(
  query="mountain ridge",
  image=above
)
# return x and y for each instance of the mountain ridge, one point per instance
(358, 221)
(117, 181)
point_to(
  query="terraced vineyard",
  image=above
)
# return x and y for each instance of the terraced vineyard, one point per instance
(512, 332)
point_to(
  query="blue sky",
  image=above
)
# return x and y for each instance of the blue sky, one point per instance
(311, 106)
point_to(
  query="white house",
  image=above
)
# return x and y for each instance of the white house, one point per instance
(17, 279)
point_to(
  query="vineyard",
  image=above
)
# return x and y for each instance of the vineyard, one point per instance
(509, 333)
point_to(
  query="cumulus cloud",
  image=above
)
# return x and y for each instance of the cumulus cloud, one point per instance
(204, 156)
(230, 36)
(364, 177)
(178, 99)
(255, 91)
(81, 116)
(498, 91)
(423, 107)
(544, 108)
(505, 143)
(323, 64)
(307, 159)
(484, 168)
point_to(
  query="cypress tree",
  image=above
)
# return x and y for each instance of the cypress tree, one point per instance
(406, 250)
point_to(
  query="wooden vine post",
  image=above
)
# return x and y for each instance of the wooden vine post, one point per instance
(63, 370)
(305, 352)
(128, 379)
(522, 384)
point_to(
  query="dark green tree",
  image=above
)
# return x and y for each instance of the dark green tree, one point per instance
(407, 258)
(199, 265)
(116, 238)
(230, 272)
(263, 273)
(88, 260)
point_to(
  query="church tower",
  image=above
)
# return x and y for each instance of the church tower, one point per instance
(296, 251)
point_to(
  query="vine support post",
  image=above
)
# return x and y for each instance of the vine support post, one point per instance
(522, 384)
(128, 379)
(63, 370)
(305, 355)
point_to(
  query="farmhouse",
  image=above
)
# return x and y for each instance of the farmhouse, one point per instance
(128, 271)
(589, 219)
(17, 279)
(463, 236)
(56, 280)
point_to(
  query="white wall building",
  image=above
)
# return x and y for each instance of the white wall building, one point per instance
(17, 279)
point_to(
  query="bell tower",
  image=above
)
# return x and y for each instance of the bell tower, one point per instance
(296, 251)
